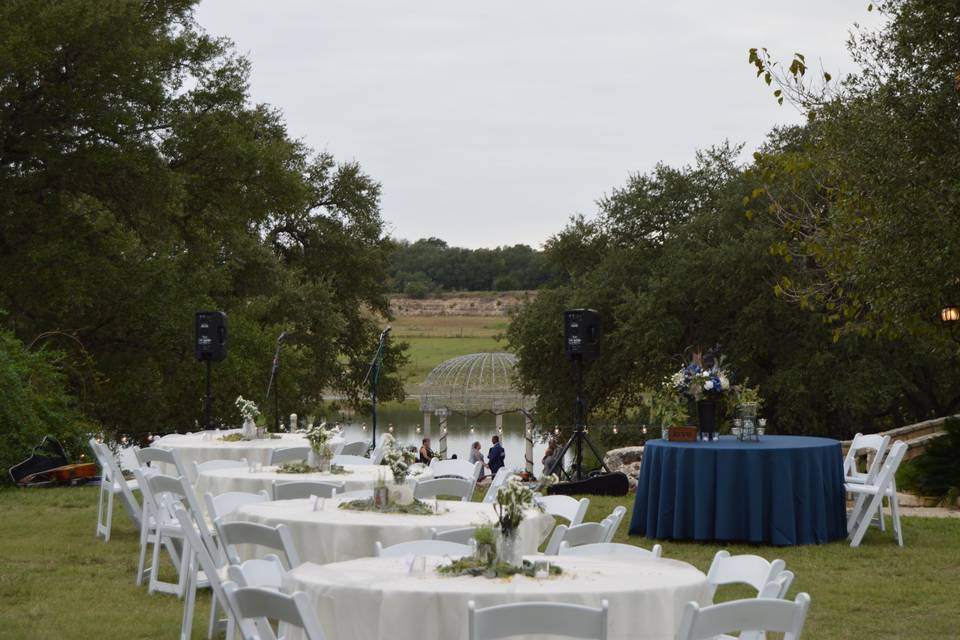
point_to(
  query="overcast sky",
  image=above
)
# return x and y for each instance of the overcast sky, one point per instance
(491, 122)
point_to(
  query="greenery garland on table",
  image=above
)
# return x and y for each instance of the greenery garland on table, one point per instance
(238, 437)
(472, 566)
(416, 508)
(303, 467)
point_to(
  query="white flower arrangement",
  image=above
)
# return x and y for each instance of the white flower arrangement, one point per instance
(513, 499)
(319, 438)
(395, 457)
(248, 409)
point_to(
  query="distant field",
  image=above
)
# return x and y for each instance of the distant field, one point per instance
(449, 326)
(436, 338)
(426, 353)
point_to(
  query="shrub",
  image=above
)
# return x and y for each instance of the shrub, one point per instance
(936, 473)
(34, 402)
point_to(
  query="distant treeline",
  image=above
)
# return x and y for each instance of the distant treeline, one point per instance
(430, 265)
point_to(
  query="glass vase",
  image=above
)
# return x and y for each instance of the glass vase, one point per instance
(249, 429)
(509, 550)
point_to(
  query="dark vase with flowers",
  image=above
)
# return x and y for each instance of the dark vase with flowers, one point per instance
(707, 418)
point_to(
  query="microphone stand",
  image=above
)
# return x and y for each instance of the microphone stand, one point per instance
(274, 383)
(373, 375)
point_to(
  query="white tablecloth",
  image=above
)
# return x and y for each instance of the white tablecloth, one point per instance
(359, 477)
(335, 534)
(375, 598)
(207, 445)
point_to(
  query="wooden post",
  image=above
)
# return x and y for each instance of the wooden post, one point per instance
(528, 434)
(443, 438)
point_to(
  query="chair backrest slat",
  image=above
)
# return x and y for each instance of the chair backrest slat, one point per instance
(288, 454)
(463, 535)
(355, 448)
(611, 550)
(277, 538)
(536, 618)
(422, 548)
(571, 509)
(750, 615)
(456, 469)
(300, 489)
(458, 487)
(259, 604)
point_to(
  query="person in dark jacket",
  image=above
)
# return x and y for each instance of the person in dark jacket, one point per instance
(496, 456)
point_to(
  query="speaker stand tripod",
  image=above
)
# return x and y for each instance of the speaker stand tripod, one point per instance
(579, 437)
(207, 399)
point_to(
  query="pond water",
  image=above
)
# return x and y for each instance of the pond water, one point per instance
(407, 425)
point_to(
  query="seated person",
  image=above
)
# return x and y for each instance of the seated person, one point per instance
(426, 453)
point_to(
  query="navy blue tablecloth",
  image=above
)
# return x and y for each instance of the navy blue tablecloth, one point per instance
(782, 490)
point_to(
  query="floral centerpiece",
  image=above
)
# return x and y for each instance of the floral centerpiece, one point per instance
(484, 561)
(249, 411)
(513, 500)
(703, 381)
(319, 438)
(399, 461)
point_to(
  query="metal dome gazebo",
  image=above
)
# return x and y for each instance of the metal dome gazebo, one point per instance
(472, 384)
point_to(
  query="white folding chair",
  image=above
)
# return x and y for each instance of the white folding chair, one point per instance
(300, 489)
(611, 550)
(457, 487)
(535, 618)
(870, 497)
(288, 454)
(570, 509)
(741, 569)
(210, 465)
(754, 615)
(149, 456)
(112, 483)
(873, 447)
(227, 503)
(344, 460)
(202, 557)
(422, 548)
(355, 448)
(584, 533)
(257, 605)
(778, 587)
(464, 535)
(276, 538)
(456, 469)
(503, 474)
(616, 519)
(165, 493)
(267, 571)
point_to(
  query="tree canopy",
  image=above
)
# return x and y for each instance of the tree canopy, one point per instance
(430, 265)
(819, 266)
(139, 184)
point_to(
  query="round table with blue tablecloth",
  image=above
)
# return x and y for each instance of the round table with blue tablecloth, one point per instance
(780, 490)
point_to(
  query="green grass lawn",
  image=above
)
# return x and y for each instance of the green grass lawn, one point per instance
(57, 581)
(434, 339)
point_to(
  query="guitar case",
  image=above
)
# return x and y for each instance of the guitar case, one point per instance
(602, 484)
(48, 465)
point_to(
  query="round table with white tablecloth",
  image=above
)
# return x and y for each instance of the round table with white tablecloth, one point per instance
(333, 534)
(378, 599)
(355, 478)
(208, 445)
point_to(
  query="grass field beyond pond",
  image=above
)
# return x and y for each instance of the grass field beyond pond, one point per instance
(58, 581)
(434, 339)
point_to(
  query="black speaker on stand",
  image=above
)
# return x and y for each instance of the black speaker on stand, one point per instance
(581, 333)
(210, 345)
